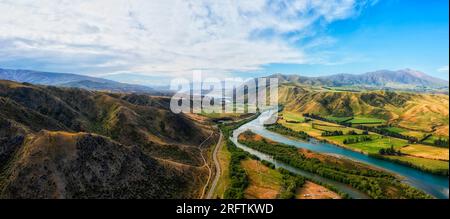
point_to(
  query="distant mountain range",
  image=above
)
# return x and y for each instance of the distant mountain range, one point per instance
(401, 79)
(73, 80)
(405, 79)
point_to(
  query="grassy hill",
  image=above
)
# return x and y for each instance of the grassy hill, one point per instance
(74, 143)
(412, 111)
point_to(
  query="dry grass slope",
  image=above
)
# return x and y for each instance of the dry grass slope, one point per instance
(421, 112)
(66, 143)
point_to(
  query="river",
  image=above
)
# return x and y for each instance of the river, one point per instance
(434, 185)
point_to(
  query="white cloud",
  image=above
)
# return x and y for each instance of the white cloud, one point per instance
(164, 36)
(443, 69)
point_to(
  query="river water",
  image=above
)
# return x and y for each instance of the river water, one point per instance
(434, 185)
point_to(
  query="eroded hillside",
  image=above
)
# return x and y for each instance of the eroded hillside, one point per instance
(73, 143)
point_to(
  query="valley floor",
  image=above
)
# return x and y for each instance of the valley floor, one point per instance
(314, 191)
(246, 176)
(374, 182)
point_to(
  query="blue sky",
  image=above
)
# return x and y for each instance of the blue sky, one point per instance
(123, 39)
(392, 34)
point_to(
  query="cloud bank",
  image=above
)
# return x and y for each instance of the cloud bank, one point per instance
(165, 36)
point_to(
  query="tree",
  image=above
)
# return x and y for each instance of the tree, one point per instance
(352, 132)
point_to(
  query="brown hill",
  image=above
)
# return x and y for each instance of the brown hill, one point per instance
(415, 111)
(137, 148)
(67, 165)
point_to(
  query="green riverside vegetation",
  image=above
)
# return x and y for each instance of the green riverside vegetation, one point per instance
(417, 163)
(287, 131)
(373, 182)
(239, 178)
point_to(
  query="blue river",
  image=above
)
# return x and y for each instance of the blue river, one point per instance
(434, 185)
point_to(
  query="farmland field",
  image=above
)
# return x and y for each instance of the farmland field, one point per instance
(306, 127)
(425, 151)
(374, 146)
(264, 183)
(428, 157)
(357, 175)
(433, 165)
(290, 116)
(224, 157)
(419, 112)
(395, 129)
(367, 124)
(319, 127)
(314, 191)
(332, 128)
(337, 119)
(433, 138)
(362, 120)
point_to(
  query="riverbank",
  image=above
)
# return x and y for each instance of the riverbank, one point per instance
(370, 148)
(437, 186)
(377, 184)
(238, 181)
(396, 159)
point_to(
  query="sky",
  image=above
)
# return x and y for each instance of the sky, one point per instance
(160, 39)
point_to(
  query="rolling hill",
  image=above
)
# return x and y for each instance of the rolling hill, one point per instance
(73, 80)
(414, 111)
(74, 143)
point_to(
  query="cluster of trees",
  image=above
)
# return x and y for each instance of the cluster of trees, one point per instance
(379, 129)
(228, 128)
(390, 151)
(268, 164)
(238, 176)
(287, 131)
(441, 142)
(383, 131)
(370, 181)
(290, 181)
(332, 133)
(340, 133)
(442, 172)
(306, 120)
(276, 149)
(353, 132)
(290, 184)
(354, 140)
(318, 117)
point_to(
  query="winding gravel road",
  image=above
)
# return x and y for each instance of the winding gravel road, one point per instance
(218, 170)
